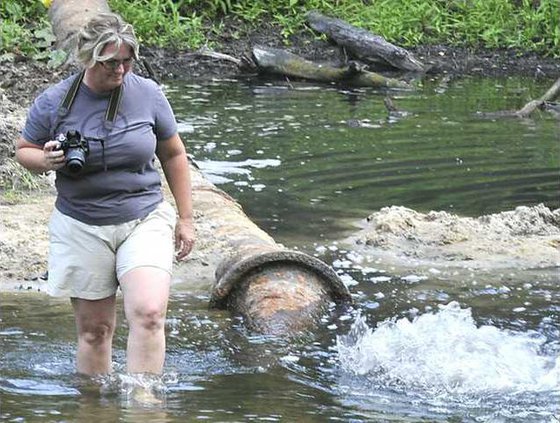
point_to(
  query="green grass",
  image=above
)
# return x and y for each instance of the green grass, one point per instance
(524, 25)
(15, 178)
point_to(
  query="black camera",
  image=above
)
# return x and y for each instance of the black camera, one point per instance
(75, 148)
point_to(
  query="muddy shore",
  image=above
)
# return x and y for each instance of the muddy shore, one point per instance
(24, 216)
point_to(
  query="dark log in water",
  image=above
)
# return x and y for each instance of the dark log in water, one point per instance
(282, 62)
(364, 45)
(247, 267)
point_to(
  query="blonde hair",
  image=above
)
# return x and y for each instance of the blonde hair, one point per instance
(103, 29)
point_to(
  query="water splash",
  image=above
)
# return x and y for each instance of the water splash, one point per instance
(445, 352)
(145, 389)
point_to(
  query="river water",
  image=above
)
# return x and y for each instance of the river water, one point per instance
(308, 162)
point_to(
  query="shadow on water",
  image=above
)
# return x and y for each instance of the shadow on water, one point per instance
(308, 163)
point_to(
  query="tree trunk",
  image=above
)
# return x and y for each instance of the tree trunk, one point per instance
(69, 16)
(364, 45)
(232, 253)
(551, 95)
(285, 63)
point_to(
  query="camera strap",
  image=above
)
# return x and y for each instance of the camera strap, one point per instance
(110, 114)
(68, 100)
(113, 108)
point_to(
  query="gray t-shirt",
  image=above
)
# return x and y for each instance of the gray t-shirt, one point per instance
(119, 182)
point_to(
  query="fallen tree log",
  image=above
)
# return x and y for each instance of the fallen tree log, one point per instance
(275, 289)
(542, 103)
(244, 64)
(206, 52)
(552, 94)
(282, 62)
(68, 16)
(364, 45)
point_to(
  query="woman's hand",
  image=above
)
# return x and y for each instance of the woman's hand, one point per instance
(54, 159)
(38, 158)
(184, 237)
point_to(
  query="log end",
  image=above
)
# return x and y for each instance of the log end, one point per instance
(277, 290)
(232, 271)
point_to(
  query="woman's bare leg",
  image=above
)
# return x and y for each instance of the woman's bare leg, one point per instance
(95, 323)
(146, 292)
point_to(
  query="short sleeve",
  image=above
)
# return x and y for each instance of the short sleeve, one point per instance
(165, 123)
(37, 129)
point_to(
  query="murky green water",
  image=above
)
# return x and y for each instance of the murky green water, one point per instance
(307, 162)
(294, 153)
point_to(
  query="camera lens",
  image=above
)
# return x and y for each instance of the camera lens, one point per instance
(75, 160)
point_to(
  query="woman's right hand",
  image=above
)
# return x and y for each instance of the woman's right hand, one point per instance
(54, 159)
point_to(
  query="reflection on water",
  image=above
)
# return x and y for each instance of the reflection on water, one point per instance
(306, 161)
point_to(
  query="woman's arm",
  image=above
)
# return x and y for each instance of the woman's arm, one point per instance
(173, 158)
(37, 159)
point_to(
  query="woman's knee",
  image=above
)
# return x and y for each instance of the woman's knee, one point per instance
(96, 334)
(95, 320)
(150, 317)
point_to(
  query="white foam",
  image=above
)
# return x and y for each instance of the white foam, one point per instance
(446, 351)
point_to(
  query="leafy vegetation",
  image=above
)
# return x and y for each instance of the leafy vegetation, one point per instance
(527, 25)
(24, 27)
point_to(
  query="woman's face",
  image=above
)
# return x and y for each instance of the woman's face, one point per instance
(109, 74)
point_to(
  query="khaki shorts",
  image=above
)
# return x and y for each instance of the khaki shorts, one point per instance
(87, 261)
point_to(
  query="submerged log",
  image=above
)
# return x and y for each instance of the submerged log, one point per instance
(364, 45)
(552, 94)
(282, 62)
(544, 103)
(242, 265)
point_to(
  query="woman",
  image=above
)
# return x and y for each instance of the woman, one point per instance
(111, 227)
